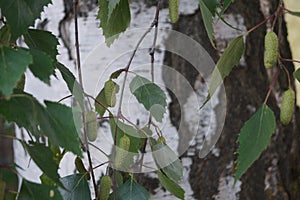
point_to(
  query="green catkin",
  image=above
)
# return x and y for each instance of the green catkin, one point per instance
(287, 106)
(122, 151)
(173, 10)
(91, 127)
(271, 49)
(105, 185)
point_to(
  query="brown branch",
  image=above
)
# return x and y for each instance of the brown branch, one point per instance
(81, 84)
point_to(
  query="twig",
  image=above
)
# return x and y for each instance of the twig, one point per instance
(152, 52)
(286, 72)
(289, 60)
(260, 23)
(66, 97)
(101, 164)
(81, 84)
(98, 102)
(271, 86)
(98, 149)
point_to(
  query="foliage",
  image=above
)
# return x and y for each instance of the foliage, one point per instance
(55, 128)
(254, 138)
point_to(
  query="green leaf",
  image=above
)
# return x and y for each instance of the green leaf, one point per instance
(131, 190)
(42, 66)
(229, 59)
(34, 191)
(77, 187)
(212, 5)
(226, 4)
(62, 130)
(43, 158)
(116, 74)
(150, 95)
(10, 177)
(294, 13)
(5, 35)
(20, 14)
(136, 138)
(42, 40)
(254, 138)
(118, 21)
(110, 91)
(297, 74)
(23, 109)
(167, 161)
(170, 185)
(13, 63)
(208, 21)
(73, 86)
(56, 121)
(100, 103)
(111, 6)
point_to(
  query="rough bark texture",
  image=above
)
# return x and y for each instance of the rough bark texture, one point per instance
(246, 88)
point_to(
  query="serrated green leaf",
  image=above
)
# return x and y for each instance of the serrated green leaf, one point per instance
(5, 35)
(34, 191)
(229, 59)
(20, 14)
(167, 161)
(111, 6)
(118, 21)
(73, 85)
(297, 74)
(23, 109)
(56, 121)
(43, 158)
(208, 21)
(110, 91)
(77, 187)
(170, 185)
(42, 65)
(131, 190)
(254, 138)
(150, 95)
(63, 130)
(42, 40)
(13, 63)
(212, 5)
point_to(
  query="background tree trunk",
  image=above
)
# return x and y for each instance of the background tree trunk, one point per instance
(276, 174)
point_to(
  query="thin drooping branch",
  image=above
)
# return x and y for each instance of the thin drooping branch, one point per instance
(81, 84)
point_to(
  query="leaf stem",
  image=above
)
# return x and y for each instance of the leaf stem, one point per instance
(271, 86)
(260, 23)
(66, 97)
(289, 60)
(75, 7)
